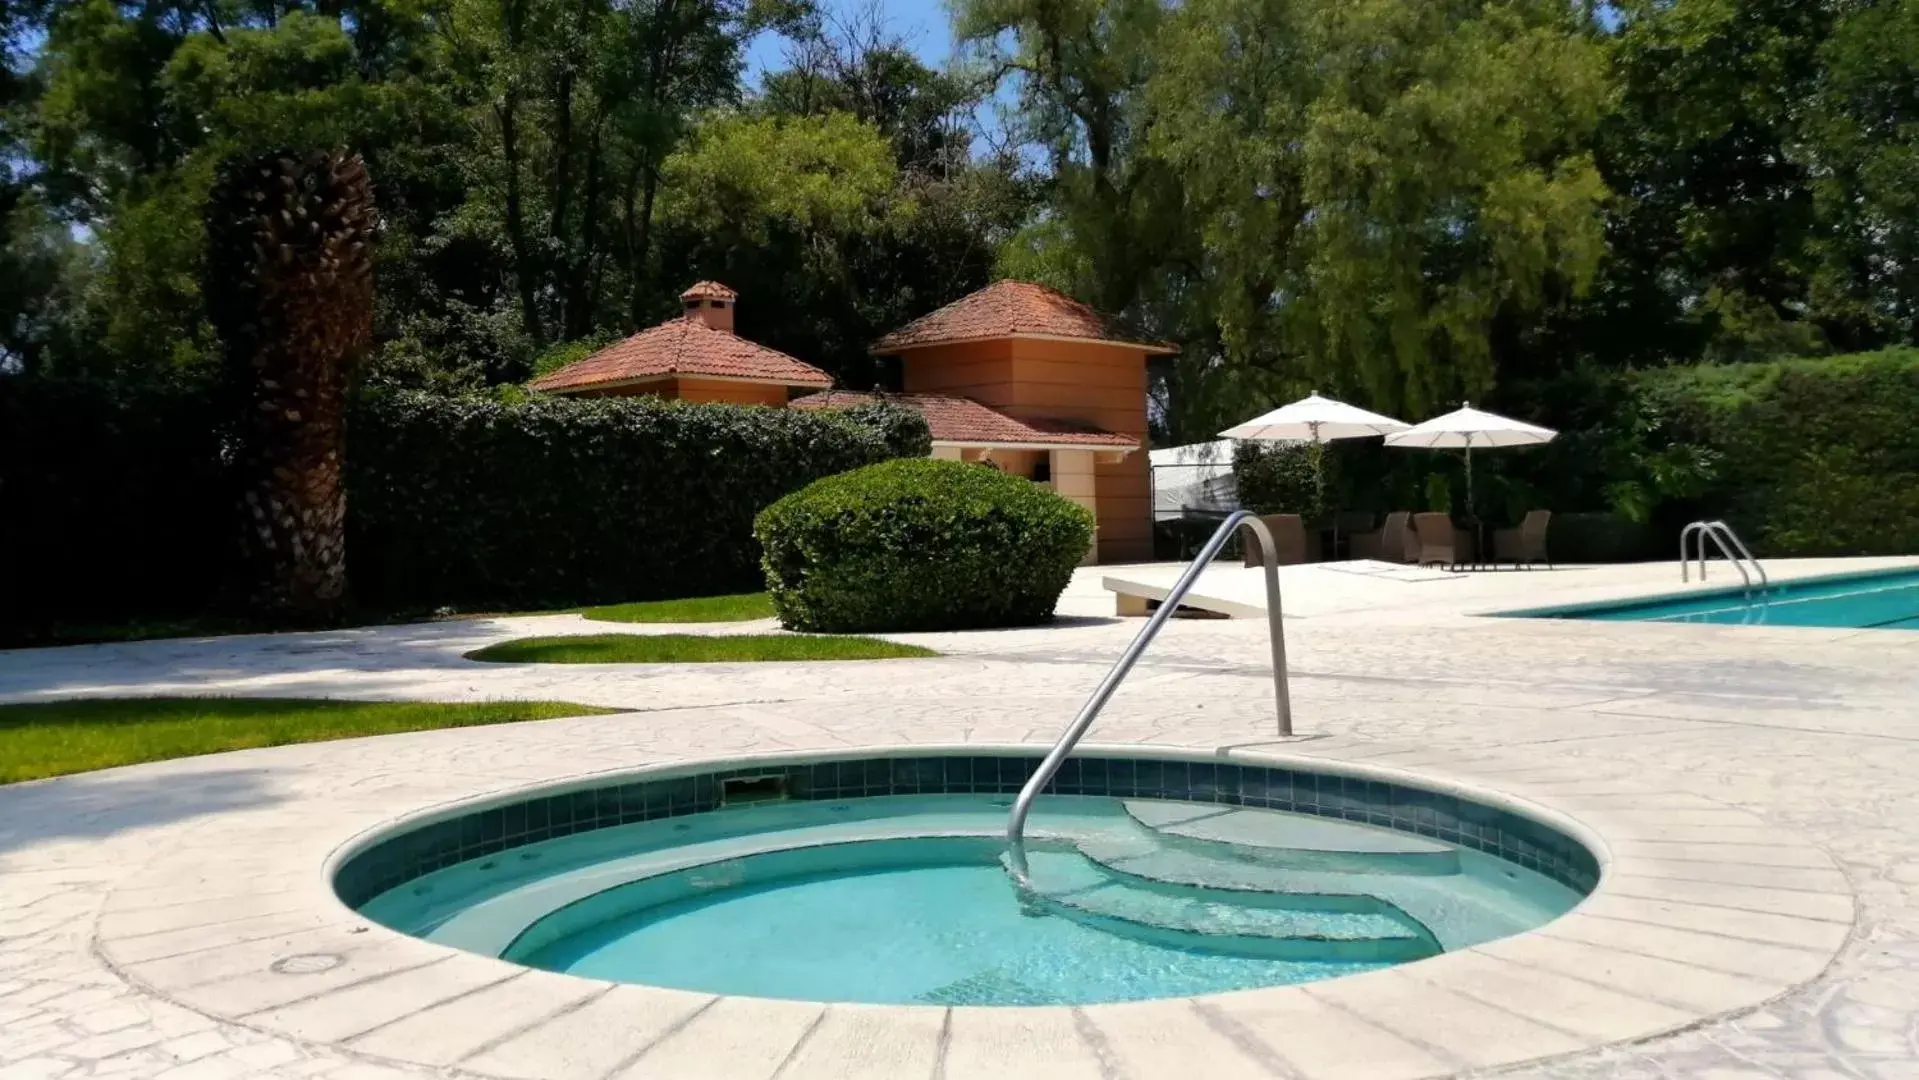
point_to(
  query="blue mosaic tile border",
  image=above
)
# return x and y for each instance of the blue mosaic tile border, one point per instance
(1518, 839)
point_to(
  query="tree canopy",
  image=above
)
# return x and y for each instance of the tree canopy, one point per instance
(1408, 204)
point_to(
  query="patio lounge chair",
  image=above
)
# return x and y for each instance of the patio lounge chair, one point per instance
(1289, 538)
(1525, 545)
(1346, 525)
(1438, 543)
(1393, 542)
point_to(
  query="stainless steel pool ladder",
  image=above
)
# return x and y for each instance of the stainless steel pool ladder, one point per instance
(1022, 806)
(1730, 546)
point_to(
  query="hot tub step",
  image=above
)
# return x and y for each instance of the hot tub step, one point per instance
(1297, 841)
(1333, 927)
(1180, 865)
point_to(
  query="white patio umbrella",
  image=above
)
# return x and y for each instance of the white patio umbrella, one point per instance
(1469, 429)
(1317, 420)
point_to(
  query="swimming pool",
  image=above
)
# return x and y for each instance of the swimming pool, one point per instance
(1883, 601)
(881, 880)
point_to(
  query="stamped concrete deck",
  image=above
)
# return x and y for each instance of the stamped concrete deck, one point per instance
(1752, 787)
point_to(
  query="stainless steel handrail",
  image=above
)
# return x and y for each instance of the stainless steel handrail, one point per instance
(1685, 558)
(1727, 541)
(1022, 806)
(1765, 582)
(1696, 530)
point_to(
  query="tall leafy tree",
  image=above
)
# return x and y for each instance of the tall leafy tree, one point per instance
(577, 105)
(933, 235)
(1710, 240)
(1395, 200)
(1448, 190)
(1080, 69)
(1860, 140)
(1381, 192)
(776, 207)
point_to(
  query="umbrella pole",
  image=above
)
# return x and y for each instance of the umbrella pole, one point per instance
(1318, 454)
(1468, 478)
(1470, 515)
(1319, 477)
(1319, 465)
(1319, 488)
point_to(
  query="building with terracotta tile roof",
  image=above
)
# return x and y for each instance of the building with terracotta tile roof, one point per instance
(1010, 309)
(1016, 376)
(964, 424)
(696, 357)
(1037, 356)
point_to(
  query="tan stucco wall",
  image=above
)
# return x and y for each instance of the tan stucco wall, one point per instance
(1095, 383)
(701, 390)
(981, 370)
(731, 393)
(1075, 478)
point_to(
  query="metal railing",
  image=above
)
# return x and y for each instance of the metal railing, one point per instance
(1016, 821)
(1730, 546)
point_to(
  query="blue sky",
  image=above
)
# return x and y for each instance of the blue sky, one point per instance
(924, 24)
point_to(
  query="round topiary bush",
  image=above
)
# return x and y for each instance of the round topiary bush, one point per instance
(918, 544)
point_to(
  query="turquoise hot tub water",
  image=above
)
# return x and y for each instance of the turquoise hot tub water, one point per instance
(904, 898)
(1888, 601)
(937, 921)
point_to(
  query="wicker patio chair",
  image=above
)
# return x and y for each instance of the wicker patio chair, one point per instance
(1525, 545)
(1391, 542)
(1438, 541)
(1289, 540)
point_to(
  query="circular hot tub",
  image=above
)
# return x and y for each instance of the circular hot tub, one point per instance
(882, 879)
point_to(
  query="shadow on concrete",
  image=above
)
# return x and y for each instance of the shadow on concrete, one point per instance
(1069, 621)
(1057, 622)
(99, 805)
(318, 660)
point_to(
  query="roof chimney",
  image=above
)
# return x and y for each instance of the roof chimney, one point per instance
(711, 303)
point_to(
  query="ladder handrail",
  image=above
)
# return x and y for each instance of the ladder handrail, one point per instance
(1697, 532)
(1727, 541)
(1685, 559)
(1725, 530)
(1049, 766)
(1720, 542)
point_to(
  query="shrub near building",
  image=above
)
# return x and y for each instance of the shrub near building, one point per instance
(920, 545)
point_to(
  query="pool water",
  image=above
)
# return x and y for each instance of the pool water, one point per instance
(1876, 601)
(945, 927)
(906, 900)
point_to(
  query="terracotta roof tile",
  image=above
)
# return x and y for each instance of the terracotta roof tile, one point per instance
(682, 347)
(708, 290)
(1008, 309)
(963, 420)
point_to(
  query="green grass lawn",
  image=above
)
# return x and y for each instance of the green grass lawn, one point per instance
(736, 608)
(59, 737)
(691, 649)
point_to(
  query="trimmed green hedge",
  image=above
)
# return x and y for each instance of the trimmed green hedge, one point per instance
(1600, 537)
(1278, 478)
(118, 499)
(114, 502)
(549, 500)
(1803, 456)
(920, 545)
(1813, 456)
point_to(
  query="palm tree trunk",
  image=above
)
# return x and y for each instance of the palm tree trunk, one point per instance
(290, 288)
